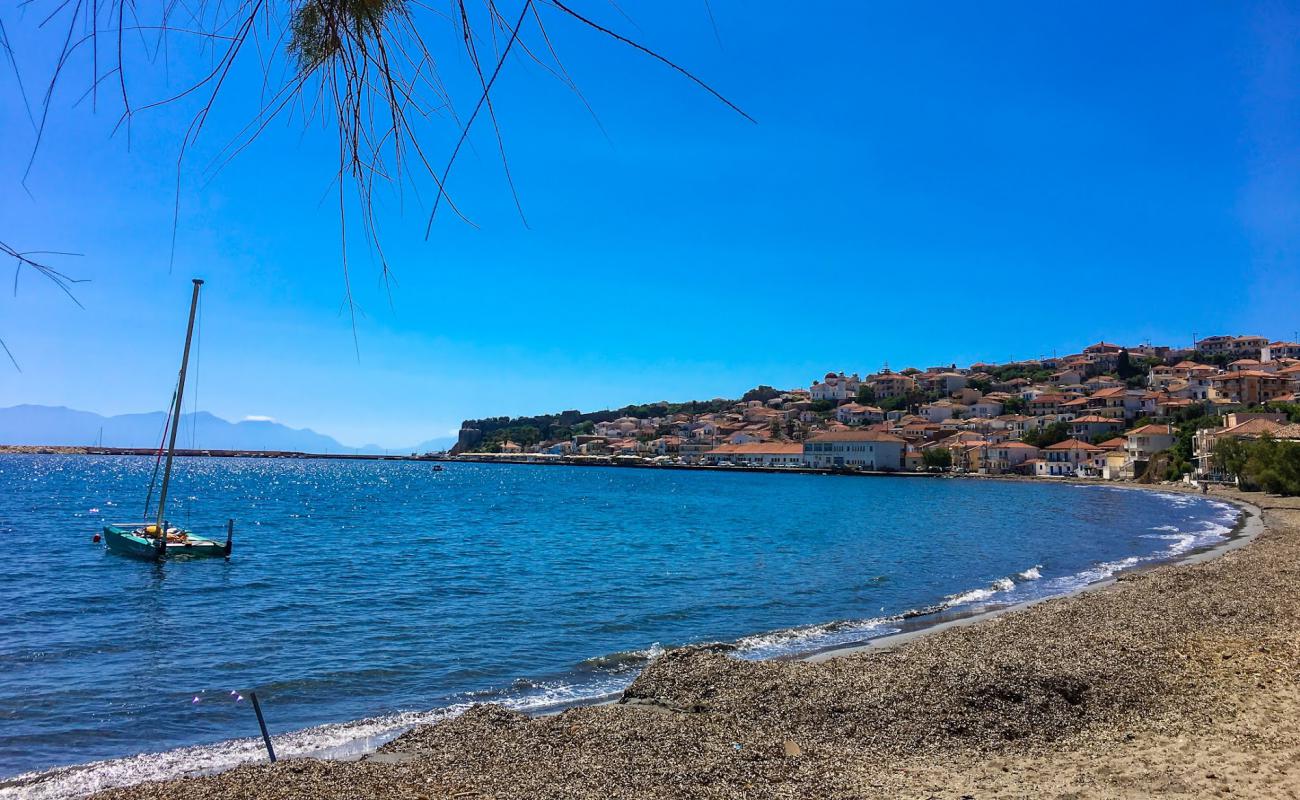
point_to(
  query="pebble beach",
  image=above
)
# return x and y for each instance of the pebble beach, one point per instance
(1178, 681)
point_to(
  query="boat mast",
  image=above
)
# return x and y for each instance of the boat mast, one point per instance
(176, 419)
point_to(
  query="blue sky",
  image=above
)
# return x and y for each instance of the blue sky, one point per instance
(925, 183)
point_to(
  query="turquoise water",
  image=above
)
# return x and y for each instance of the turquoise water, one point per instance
(364, 596)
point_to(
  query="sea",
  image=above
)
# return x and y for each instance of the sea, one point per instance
(365, 597)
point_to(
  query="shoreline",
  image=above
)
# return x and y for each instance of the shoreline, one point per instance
(1248, 526)
(1182, 679)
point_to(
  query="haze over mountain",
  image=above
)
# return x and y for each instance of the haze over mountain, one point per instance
(57, 425)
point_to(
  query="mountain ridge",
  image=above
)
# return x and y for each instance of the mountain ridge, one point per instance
(31, 424)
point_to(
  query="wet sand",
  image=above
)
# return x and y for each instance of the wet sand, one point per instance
(1178, 681)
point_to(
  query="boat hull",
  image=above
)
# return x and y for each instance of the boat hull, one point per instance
(127, 542)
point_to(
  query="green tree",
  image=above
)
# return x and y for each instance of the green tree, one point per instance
(1125, 367)
(1184, 446)
(1274, 466)
(1230, 455)
(1014, 405)
(898, 403)
(1048, 436)
(937, 457)
(866, 395)
(1292, 410)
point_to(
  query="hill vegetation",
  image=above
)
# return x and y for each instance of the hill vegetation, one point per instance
(526, 431)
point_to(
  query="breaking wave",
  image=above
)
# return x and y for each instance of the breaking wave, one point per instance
(1031, 574)
(802, 639)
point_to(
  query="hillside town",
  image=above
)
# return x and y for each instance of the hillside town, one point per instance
(1110, 412)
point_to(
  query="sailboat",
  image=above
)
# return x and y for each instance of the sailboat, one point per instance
(157, 539)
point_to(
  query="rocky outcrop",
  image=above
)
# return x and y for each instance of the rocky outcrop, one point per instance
(467, 440)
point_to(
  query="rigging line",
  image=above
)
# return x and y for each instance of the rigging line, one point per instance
(157, 461)
(194, 410)
(198, 363)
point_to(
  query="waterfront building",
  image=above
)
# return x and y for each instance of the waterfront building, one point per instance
(1009, 456)
(1093, 425)
(873, 450)
(1142, 444)
(1071, 458)
(1237, 425)
(757, 454)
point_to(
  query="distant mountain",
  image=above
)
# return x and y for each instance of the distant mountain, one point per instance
(56, 425)
(434, 445)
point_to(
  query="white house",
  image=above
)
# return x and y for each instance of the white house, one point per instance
(1276, 350)
(1067, 377)
(617, 428)
(864, 449)
(1144, 442)
(748, 437)
(836, 387)
(1071, 458)
(857, 414)
(704, 430)
(939, 411)
(1007, 456)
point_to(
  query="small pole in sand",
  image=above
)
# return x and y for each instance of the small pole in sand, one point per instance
(266, 737)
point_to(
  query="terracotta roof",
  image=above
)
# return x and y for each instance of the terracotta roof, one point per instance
(1152, 430)
(758, 448)
(1118, 443)
(1252, 427)
(1072, 444)
(1015, 445)
(856, 436)
(1291, 432)
(856, 408)
(1252, 373)
(1094, 419)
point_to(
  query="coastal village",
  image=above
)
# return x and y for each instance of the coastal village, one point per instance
(1110, 412)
